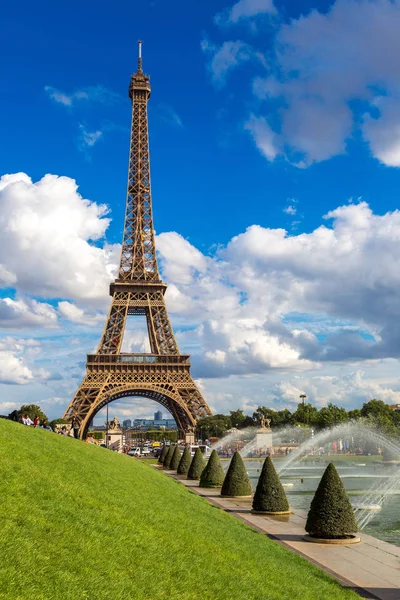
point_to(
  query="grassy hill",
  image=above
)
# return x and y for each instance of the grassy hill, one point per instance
(81, 522)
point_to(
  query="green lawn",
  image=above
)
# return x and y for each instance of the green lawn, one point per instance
(81, 522)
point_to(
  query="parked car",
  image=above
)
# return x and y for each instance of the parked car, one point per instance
(205, 450)
(134, 451)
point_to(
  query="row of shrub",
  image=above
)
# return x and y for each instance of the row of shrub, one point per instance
(331, 515)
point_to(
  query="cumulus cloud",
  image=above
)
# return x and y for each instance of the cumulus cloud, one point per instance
(47, 232)
(267, 302)
(75, 314)
(331, 76)
(13, 367)
(345, 271)
(26, 312)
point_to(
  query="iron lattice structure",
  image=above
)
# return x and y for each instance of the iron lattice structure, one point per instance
(164, 374)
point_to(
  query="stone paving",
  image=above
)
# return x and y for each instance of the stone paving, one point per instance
(371, 568)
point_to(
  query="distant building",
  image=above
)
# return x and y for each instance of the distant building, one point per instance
(127, 423)
(153, 424)
(395, 407)
(158, 416)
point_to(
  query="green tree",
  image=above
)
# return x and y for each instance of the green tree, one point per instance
(240, 420)
(331, 515)
(213, 475)
(171, 435)
(331, 415)
(381, 415)
(269, 495)
(213, 426)
(163, 454)
(32, 410)
(185, 461)
(236, 482)
(197, 465)
(168, 457)
(176, 459)
(354, 415)
(306, 414)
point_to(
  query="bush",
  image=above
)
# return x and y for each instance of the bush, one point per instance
(236, 482)
(213, 475)
(168, 457)
(162, 456)
(196, 466)
(269, 495)
(184, 464)
(331, 515)
(176, 459)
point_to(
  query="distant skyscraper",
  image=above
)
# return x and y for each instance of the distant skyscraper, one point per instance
(158, 416)
(127, 423)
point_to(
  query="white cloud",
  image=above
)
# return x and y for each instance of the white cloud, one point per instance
(290, 210)
(26, 312)
(179, 258)
(331, 77)
(245, 9)
(88, 138)
(96, 93)
(266, 140)
(240, 327)
(256, 306)
(46, 235)
(13, 367)
(225, 58)
(75, 314)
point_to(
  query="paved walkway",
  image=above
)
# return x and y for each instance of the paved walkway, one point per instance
(371, 568)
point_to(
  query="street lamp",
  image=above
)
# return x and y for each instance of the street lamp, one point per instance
(107, 428)
(302, 398)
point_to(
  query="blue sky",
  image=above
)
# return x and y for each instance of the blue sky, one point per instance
(264, 118)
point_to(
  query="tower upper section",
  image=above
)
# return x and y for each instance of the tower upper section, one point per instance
(140, 83)
(138, 255)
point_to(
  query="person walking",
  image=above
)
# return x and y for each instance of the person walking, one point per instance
(75, 427)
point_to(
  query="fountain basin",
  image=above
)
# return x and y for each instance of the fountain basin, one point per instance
(351, 539)
(239, 497)
(268, 512)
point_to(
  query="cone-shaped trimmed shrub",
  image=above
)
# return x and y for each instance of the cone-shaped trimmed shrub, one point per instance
(176, 459)
(168, 457)
(331, 515)
(213, 475)
(269, 495)
(197, 465)
(163, 454)
(184, 465)
(236, 482)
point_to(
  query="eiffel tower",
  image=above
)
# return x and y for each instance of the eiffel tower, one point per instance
(164, 374)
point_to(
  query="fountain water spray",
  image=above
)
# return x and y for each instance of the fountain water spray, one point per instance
(365, 434)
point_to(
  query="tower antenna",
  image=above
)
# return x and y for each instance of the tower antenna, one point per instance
(140, 56)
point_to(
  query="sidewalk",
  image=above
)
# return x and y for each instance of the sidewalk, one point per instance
(371, 568)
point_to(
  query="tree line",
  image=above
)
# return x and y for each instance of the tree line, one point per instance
(306, 415)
